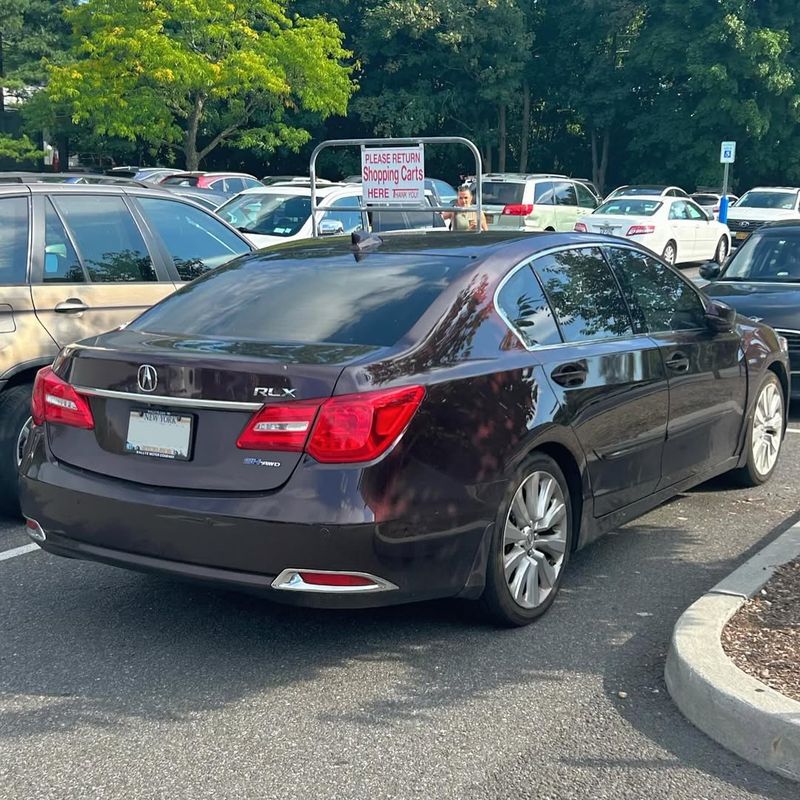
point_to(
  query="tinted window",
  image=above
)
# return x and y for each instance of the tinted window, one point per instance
(13, 239)
(706, 199)
(61, 262)
(544, 193)
(630, 207)
(767, 257)
(524, 305)
(585, 198)
(195, 241)
(108, 241)
(500, 193)
(565, 195)
(181, 180)
(351, 220)
(659, 298)
(755, 199)
(250, 183)
(268, 214)
(583, 294)
(336, 299)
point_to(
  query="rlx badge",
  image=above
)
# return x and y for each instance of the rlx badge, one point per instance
(269, 391)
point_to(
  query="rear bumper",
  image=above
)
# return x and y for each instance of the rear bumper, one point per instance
(235, 541)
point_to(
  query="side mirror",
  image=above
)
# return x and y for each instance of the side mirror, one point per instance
(710, 271)
(331, 227)
(720, 317)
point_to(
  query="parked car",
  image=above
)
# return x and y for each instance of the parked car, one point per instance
(709, 201)
(591, 187)
(143, 174)
(442, 193)
(229, 183)
(647, 191)
(678, 230)
(762, 281)
(534, 202)
(761, 205)
(67, 177)
(394, 419)
(78, 260)
(281, 213)
(383, 221)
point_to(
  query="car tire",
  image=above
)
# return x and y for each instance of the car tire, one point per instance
(670, 254)
(531, 544)
(15, 412)
(765, 431)
(721, 253)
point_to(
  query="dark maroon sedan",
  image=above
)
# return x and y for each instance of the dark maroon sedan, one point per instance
(352, 423)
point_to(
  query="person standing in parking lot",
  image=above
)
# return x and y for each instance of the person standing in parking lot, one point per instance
(464, 220)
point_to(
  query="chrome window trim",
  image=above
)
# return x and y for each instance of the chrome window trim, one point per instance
(157, 399)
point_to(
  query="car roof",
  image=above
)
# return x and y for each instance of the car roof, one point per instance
(774, 189)
(303, 190)
(202, 174)
(521, 176)
(660, 198)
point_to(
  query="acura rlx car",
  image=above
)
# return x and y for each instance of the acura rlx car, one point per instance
(382, 420)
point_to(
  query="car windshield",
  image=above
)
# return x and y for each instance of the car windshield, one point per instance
(269, 214)
(781, 200)
(769, 257)
(629, 208)
(371, 300)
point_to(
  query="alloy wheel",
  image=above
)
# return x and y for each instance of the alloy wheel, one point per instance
(22, 439)
(722, 251)
(669, 253)
(535, 540)
(767, 428)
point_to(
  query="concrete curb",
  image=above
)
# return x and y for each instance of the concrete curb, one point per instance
(734, 709)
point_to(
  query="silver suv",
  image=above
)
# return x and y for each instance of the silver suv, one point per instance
(79, 260)
(539, 202)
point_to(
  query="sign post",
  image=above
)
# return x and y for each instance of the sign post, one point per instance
(727, 156)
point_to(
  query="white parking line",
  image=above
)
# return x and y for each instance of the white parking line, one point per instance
(18, 551)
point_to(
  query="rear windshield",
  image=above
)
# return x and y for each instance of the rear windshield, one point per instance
(268, 214)
(291, 299)
(181, 180)
(629, 208)
(634, 190)
(496, 193)
(705, 199)
(781, 200)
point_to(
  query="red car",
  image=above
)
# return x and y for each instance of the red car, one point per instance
(225, 182)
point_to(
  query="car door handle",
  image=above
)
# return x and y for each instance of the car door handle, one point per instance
(570, 375)
(72, 305)
(678, 362)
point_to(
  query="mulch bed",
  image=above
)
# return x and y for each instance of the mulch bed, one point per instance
(763, 637)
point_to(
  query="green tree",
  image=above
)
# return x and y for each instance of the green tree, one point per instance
(197, 74)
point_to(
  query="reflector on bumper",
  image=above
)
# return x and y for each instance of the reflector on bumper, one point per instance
(331, 582)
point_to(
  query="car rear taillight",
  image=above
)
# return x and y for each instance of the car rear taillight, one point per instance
(282, 427)
(580, 228)
(54, 400)
(640, 230)
(348, 429)
(517, 210)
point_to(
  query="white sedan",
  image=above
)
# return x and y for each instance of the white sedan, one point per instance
(675, 228)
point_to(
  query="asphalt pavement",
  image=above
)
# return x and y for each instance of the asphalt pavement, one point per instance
(115, 684)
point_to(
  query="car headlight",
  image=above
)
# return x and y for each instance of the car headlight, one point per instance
(783, 343)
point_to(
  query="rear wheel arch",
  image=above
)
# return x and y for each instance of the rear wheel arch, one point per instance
(780, 371)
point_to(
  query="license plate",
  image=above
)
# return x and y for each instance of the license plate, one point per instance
(741, 235)
(159, 434)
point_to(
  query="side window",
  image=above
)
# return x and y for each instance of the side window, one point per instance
(106, 237)
(693, 212)
(660, 299)
(61, 262)
(13, 240)
(678, 210)
(196, 241)
(234, 185)
(219, 185)
(250, 183)
(585, 198)
(565, 194)
(544, 193)
(584, 294)
(523, 305)
(351, 220)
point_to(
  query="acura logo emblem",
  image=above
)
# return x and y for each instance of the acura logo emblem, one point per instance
(148, 378)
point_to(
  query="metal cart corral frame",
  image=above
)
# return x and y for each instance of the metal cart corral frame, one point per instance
(404, 142)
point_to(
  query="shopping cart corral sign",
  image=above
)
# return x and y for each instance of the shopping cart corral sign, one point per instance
(393, 174)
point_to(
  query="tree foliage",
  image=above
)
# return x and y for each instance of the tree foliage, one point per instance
(197, 74)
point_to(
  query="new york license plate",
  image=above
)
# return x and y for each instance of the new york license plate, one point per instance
(741, 235)
(159, 434)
